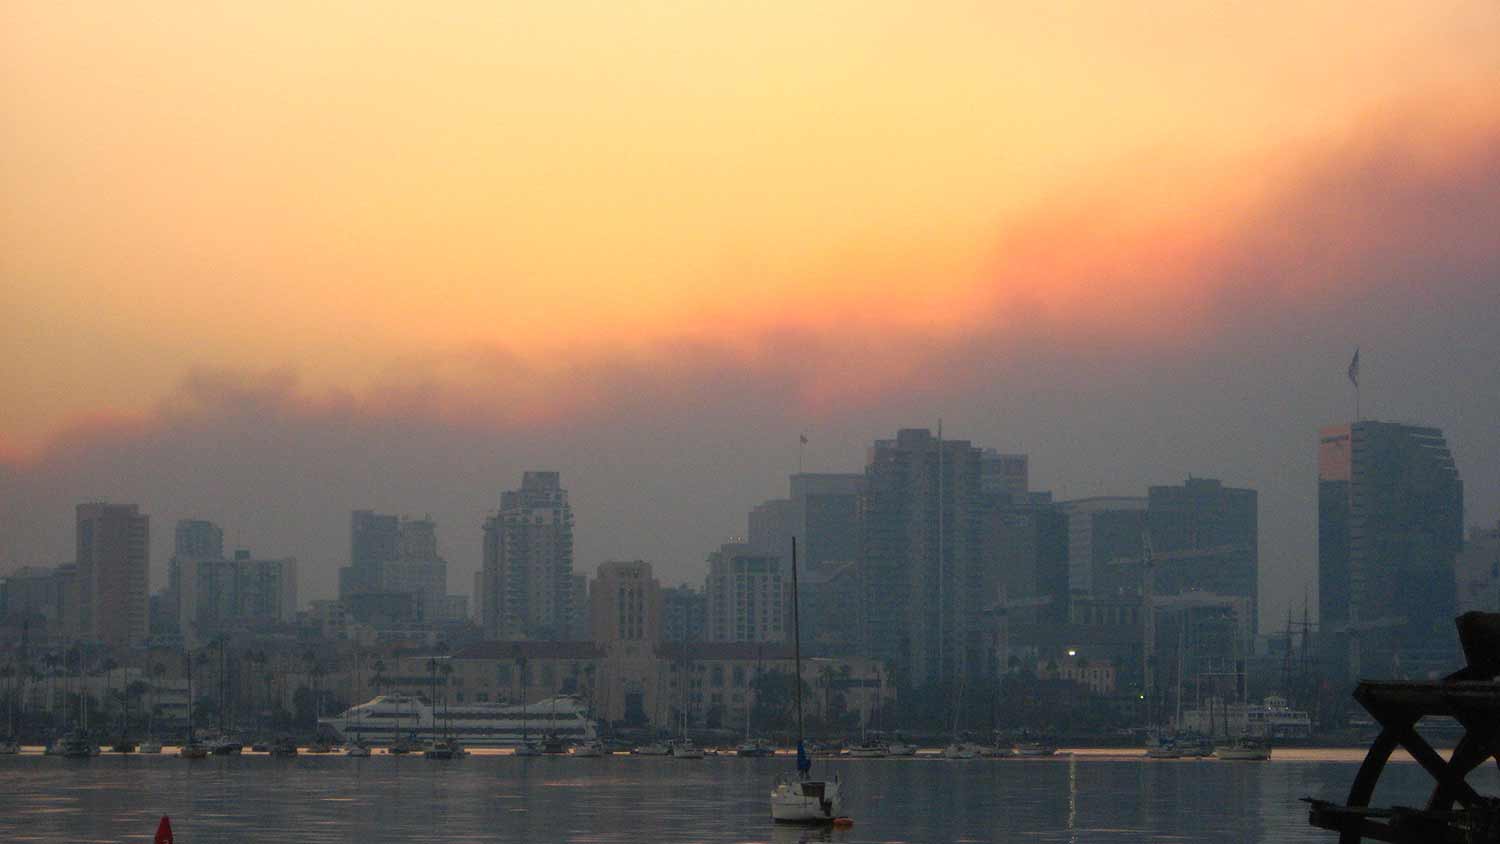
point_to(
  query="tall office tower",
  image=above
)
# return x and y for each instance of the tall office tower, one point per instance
(926, 587)
(1004, 473)
(684, 615)
(193, 540)
(822, 511)
(1206, 539)
(1026, 542)
(1390, 523)
(625, 603)
(239, 594)
(113, 547)
(196, 539)
(528, 562)
(749, 595)
(1102, 532)
(396, 556)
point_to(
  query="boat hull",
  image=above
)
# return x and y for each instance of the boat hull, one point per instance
(806, 802)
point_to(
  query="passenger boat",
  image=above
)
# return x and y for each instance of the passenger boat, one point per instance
(384, 719)
(797, 797)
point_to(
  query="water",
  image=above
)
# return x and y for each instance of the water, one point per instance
(1088, 797)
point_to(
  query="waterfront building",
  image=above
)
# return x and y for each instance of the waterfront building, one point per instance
(40, 604)
(528, 587)
(1390, 525)
(113, 559)
(625, 603)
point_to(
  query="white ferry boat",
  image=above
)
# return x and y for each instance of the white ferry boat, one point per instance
(386, 718)
(1277, 721)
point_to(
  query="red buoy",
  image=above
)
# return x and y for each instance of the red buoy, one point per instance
(164, 831)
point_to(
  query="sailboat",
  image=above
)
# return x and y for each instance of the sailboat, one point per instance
(527, 747)
(357, 748)
(192, 748)
(959, 749)
(754, 748)
(683, 747)
(9, 746)
(799, 798)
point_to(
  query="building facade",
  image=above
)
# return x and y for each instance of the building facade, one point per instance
(113, 559)
(625, 603)
(1390, 524)
(1205, 536)
(748, 593)
(528, 586)
(927, 589)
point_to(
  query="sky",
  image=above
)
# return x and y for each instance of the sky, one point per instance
(268, 263)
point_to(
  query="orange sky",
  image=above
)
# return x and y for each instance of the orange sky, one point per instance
(368, 191)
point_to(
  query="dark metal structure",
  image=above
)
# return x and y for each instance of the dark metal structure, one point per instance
(1455, 813)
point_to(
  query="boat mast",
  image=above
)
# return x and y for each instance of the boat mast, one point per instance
(804, 764)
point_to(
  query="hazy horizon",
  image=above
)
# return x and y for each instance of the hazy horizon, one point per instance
(270, 264)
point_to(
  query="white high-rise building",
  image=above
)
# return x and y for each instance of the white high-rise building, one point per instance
(527, 589)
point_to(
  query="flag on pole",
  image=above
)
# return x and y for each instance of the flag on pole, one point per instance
(803, 437)
(1354, 368)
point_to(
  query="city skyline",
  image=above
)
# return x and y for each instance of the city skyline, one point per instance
(651, 249)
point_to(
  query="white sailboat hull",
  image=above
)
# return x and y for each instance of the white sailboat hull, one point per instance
(806, 801)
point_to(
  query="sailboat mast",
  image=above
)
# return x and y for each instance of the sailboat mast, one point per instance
(797, 645)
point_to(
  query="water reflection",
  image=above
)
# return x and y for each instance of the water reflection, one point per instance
(1086, 798)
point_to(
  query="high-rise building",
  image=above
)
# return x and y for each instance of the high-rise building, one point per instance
(1026, 541)
(748, 594)
(1390, 523)
(113, 557)
(1004, 473)
(822, 511)
(40, 603)
(394, 555)
(625, 603)
(242, 593)
(528, 562)
(1103, 532)
(196, 539)
(1206, 539)
(684, 615)
(927, 589)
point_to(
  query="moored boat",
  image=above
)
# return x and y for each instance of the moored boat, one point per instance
(755, 748)
(1245, 749)
(590, 749)
(685, 749)
(798, 797)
